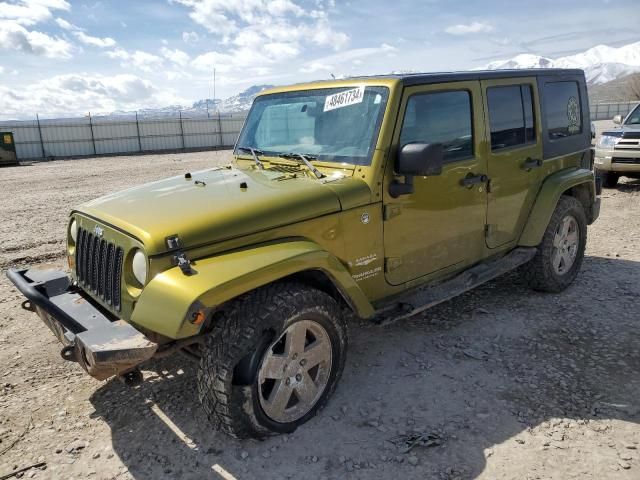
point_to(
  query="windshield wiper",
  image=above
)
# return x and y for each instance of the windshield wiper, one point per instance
(254, 153)
(305, 159)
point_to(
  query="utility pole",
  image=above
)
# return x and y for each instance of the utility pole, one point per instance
(214, 89)
(138, 131)
(182, 131)
(40, 133)
(93, 138)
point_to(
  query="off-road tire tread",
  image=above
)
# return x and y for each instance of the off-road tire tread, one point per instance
(539, 272)
(236, 331)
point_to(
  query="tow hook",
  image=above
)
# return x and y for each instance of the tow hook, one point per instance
(28, 306)
(68, 353)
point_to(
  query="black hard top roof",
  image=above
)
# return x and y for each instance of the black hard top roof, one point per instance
(439, 77)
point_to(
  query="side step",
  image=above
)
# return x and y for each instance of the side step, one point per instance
(429, 296)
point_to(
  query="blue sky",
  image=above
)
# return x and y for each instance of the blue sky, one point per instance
(64, 57)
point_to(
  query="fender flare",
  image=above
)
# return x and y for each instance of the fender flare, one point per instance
(547, 199)
(167, 299)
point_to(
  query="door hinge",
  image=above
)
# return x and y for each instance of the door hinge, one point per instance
(392, 210)
(488, 230)
(488, 185)
(392, 263)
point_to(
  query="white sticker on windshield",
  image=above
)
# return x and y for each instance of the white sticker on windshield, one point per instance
(344, 99)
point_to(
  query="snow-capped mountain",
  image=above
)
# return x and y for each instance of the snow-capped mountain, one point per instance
(201, 108)
(601, 64)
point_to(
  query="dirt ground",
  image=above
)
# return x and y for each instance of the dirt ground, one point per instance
(500, 383)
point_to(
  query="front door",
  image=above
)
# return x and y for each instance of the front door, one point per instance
(515, 157)
(440, 226)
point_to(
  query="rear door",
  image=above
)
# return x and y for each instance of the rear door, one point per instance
(515, 155)
(440, 226)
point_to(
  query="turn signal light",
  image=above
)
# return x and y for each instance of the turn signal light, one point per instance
(198, 317)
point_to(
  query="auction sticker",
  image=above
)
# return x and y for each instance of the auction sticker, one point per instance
(344, 99)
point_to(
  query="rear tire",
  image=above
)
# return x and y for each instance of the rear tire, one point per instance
(561, 251)
(272, 361)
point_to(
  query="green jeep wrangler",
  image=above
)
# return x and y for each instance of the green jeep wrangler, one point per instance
(373, 197)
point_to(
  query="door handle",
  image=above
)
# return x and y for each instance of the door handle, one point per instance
(471, 180)
(530, 163)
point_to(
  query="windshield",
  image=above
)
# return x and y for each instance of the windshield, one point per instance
(634, 118)
(331, 125)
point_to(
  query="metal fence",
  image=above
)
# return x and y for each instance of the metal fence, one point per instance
(88, 136)
(606, 111)
(36, 139)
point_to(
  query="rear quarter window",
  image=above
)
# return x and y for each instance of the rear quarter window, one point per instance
(564, 109)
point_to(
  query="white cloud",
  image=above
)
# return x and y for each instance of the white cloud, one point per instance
(322, 34)
(30, 12)
(317, 67)
(62, 23)
(105, 42)
(190, 37)
(176, 56)
(467, 29)
(282, 7)
(346, 57)
(80, 34)
(144, 61)
(260, 33)
(14, 37)
(76, 94)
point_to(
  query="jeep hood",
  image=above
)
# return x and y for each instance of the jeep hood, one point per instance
(221, 203)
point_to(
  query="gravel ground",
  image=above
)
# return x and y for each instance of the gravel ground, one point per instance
(498, 383)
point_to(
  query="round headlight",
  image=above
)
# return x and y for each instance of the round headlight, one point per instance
(73, 231)
(139, 266)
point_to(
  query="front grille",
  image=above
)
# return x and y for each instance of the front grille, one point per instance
(628, 161)
(631, 135)
(99, 267)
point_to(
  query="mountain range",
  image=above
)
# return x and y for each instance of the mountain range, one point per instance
(601, 64)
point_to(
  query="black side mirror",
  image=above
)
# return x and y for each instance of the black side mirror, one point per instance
(422, 159)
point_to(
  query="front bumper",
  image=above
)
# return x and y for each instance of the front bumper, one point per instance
(617, 160)
(102, 345)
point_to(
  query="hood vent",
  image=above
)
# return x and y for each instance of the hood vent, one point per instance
(285, 168)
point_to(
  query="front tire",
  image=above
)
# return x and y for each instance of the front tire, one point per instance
(272, 361)
(561, 251)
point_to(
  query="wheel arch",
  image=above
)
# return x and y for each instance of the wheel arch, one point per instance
(578, 183)
(166, 300)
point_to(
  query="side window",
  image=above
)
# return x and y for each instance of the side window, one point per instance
(563, 110)
(440, 117)
(511, 116)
